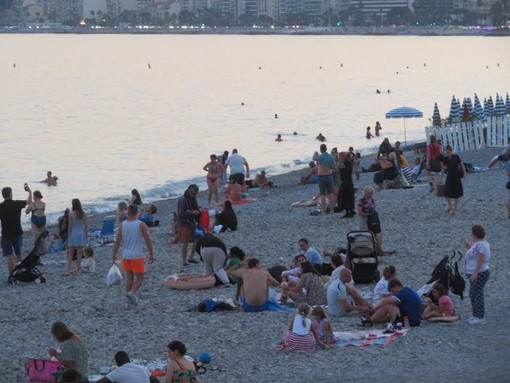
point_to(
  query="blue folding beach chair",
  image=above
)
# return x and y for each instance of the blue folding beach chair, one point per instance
(107, 233)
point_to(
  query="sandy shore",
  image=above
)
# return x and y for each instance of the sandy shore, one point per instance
(415, 224)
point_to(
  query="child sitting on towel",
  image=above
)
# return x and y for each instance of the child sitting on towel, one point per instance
(88, 264)
(444, 308)
(323, 326)
(302, 334)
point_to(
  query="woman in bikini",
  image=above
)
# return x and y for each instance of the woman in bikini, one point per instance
(179, 369)
(38, 218)
(214, 170)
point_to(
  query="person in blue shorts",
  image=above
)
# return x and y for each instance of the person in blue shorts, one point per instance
(255, 289)
(327, 166)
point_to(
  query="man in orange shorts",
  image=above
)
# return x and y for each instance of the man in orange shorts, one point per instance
(130, 237)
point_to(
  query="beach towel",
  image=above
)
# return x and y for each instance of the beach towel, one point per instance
(362, 338)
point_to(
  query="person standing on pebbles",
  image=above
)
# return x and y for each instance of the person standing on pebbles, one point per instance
(188, 214)
(12, 232)
(130, 235)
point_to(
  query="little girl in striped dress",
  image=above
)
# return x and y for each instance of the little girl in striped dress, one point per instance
(302, 334)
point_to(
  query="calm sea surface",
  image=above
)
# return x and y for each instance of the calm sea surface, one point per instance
(108, 113)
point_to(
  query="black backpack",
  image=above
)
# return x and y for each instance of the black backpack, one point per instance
(457, 282)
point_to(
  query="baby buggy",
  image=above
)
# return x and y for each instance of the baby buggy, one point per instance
(362, 256)
(27, 270)
(447, 273)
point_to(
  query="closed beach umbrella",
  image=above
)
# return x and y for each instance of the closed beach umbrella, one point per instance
(454, 110)
(404, 112)
(436, 117)
(469, 104)
(490, 106)
(507, 103)
(480, 115)
(500, 109)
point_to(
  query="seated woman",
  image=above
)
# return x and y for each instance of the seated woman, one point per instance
(444, 308)
(179, 369)
(74, 354)
(384, 149)
(234, 191)
(389, 171)
(122, 208)
(309, 289)
(135, 198)
(227, 218)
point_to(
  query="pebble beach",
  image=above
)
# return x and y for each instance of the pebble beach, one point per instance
(415, 225)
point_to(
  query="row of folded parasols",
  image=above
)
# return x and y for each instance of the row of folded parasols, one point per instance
(474, 110)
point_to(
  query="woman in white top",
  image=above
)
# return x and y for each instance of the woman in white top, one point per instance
(477, 270)
(302, 334)
(381, 288)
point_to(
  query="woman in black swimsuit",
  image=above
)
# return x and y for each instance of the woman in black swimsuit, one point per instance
(38, 218)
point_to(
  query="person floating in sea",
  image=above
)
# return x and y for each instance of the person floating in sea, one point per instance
(279, 138)
(320, 137)
(50, 179)
(369, 133)
(377, 91)
(276, 115)
(378, 128)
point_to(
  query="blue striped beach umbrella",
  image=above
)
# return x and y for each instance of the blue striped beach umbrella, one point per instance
(478, 111)
(469, 104)
(490, 106)
(404, 112)
(454, 110)
(507, 103)
(436, 117)
(499, 109)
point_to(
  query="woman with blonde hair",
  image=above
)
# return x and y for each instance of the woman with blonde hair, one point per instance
(369, 218)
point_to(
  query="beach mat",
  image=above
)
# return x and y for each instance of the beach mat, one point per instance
(274, 306)
(361, 338)
(444, 319)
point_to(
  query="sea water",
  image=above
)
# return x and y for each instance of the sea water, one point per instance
(108, 113)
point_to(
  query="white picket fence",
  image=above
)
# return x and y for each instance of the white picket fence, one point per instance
(470, 135)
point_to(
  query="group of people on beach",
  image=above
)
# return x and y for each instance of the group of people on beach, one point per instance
(74, 356)
(302, 282)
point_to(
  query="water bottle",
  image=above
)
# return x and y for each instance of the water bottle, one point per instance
(406, 322)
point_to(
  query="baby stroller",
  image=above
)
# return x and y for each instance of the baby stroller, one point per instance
(362, 256)
(447, 273)
(27, 270)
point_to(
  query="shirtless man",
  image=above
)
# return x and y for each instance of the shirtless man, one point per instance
(255, 289)
(312, 177)
(327, 165)
(260, 181)
(50, 180)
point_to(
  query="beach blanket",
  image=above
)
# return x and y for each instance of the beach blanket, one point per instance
(274, 306)
(362, 338)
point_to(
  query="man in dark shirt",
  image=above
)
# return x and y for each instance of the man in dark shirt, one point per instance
(10, 215)
(213, 252)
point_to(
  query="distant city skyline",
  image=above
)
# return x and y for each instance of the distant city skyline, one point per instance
(255, 12)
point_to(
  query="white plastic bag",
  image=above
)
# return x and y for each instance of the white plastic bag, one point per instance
(114, 276)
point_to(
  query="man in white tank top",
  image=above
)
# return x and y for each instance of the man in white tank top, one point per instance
(131, 235)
